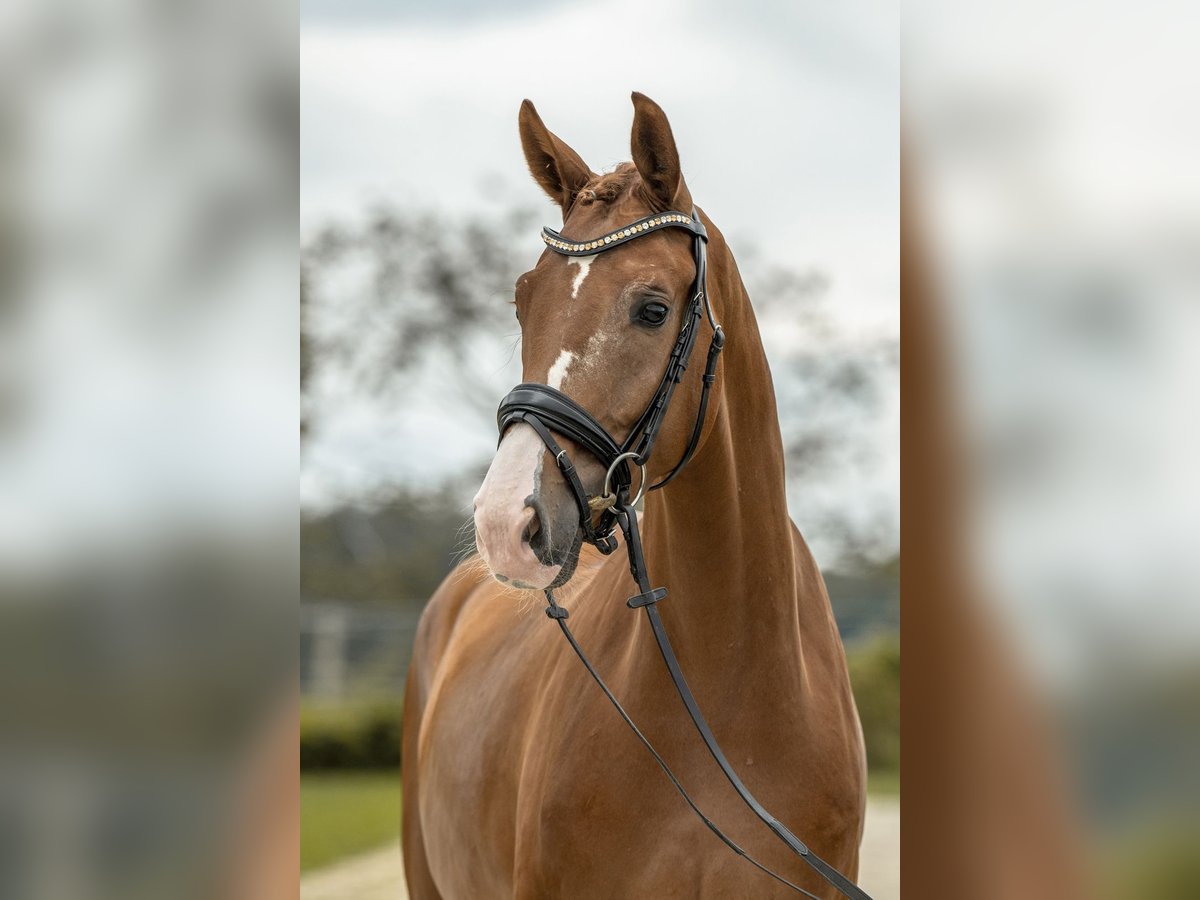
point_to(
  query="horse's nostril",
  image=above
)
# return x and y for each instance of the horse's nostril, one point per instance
(533, 529)
(535, 534)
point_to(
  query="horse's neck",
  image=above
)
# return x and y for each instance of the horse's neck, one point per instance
(719, 537)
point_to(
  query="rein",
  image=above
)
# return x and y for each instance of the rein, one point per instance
(549, 411)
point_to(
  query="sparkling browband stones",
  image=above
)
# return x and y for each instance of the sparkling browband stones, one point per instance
(651, 223)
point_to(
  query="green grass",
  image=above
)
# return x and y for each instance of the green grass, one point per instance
(346, 813)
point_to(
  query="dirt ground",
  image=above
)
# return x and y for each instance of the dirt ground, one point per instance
(379, 875)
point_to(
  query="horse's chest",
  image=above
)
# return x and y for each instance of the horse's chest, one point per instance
(606, 822)
(534, 787)
(568, 803)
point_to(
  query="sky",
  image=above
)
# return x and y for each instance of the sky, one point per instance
(785, 114)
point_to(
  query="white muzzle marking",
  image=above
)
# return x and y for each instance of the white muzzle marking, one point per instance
(501, 516)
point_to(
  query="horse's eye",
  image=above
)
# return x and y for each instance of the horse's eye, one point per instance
(653, 314)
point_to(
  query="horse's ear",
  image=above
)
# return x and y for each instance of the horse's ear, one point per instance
(656, 157)
(555, 166)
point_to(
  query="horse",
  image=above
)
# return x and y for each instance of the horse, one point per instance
(520, 781)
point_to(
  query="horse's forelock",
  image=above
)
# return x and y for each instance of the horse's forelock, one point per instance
(609, 187)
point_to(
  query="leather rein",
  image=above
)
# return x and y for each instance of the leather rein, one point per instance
(549, 411)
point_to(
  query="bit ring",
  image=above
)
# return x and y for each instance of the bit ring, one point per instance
(629, 454)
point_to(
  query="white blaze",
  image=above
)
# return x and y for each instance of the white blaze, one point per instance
(501, 515)
(558, 372)
(584, 263)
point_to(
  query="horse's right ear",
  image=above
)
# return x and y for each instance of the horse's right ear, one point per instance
(555, 166)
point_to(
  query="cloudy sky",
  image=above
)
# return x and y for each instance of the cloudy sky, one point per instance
(786, 114)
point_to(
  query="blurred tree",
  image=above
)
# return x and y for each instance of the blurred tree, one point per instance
(306, 352)
(836, 391)
(408, 297)
(397, 551)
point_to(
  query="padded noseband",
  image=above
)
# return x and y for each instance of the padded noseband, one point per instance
(560, 414)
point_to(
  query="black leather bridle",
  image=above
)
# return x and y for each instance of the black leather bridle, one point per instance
(549, 411)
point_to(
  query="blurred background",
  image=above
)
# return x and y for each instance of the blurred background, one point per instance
(148, 406)
(417, 215)
(148, 465)
(1052, 229)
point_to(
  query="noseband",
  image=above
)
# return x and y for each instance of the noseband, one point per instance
(549, 412)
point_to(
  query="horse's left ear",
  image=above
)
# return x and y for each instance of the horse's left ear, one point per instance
(656, 158)
(555, 166)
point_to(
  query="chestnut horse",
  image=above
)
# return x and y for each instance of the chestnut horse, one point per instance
(519, 779)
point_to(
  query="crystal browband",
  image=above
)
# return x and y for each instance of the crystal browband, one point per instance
(560, 244)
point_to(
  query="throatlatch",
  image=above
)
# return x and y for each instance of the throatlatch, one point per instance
(549, 411)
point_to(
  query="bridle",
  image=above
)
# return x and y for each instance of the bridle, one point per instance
(549, 411)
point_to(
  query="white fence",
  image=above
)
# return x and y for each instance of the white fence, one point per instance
(348, 650)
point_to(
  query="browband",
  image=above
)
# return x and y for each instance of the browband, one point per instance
(672, 219)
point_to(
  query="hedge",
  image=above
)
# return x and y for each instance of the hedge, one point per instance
(362, 736)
